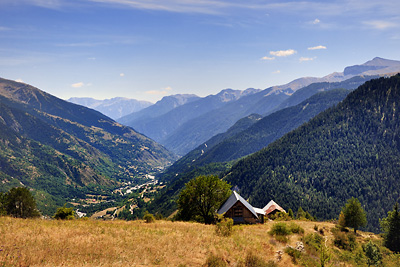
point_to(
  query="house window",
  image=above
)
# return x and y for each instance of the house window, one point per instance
(238, 212)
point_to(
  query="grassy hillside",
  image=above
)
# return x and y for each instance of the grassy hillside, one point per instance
(163, 243)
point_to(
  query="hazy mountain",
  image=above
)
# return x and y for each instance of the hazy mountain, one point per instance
(161, 107)
(376, 66)
(351, 150)
(114, 108)
(183, 135)
(60, 148)
(163, 126)
(270, 128)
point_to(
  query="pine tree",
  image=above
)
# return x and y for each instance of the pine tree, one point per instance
(354, 214)
(391, 227)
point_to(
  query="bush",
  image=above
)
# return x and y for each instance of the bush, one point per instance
(342, 240)
(215, 261)
(314, 240)
(149, 218)
(64, 213)
(255, 261)
(293, 253)
(296, 229)
(280, 229)
(224, 227)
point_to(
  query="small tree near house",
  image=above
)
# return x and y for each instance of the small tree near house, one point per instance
(201, 197)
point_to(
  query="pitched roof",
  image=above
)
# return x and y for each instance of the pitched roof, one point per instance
(235, 197)
(271, 206)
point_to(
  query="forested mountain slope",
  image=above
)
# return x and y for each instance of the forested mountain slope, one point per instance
(271, 127)
(59, 148)
(351, 150)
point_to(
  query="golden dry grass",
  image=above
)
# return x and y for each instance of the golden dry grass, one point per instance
(35, 242)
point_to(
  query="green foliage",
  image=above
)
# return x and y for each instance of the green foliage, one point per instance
(255, 261)
(291, 214)
(280, 228)
(301, 214)
(64, 213)
(354, 214)
(20, 203)
(354, 143)
(391, 228)
(313, 240)
(215, 261)
(293, 253)
(149, 218)
(3, 203)
(324, 255)
(344, 240)
(296, 229)
(201, 197)
(224, 227)
(374, 256)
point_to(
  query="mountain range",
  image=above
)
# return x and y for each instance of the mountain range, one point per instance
(183, 128)
(114, 108)
(62, 149)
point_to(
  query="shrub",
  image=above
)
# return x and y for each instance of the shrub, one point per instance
(255, 261)
(149, 218)
(314, 240)
(346, 241)
(373, 253)
(215, 261)
(293, 253)
(280, 229)
(296, 229)
(64, 213)
(224, 227)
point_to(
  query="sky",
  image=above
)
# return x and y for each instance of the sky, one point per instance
(147, 49)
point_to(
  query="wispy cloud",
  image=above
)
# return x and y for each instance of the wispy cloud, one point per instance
(302, 59)
(77, 85)
(317, 47)
(122, 74)
(283, 53)
(267, 58)
(380, 24)
(163, 91)
(276, 72)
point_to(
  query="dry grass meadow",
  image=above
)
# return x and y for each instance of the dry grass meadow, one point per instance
(36, 242)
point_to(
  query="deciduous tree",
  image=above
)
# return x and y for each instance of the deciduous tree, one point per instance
(20, 203)
(201, 197)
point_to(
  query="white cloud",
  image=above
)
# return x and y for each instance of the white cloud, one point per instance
(276, 72)
(316, 21)
(317, 47)
(380, 24)
(268, 58)
(163, 91)
(19, 81)
(307, 59)
(77, 85)
(283, 53)
(122, 74)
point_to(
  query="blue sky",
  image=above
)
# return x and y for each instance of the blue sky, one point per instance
(146, 49)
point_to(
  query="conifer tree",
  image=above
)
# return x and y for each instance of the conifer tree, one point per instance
(391, 227)
(354, 214)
